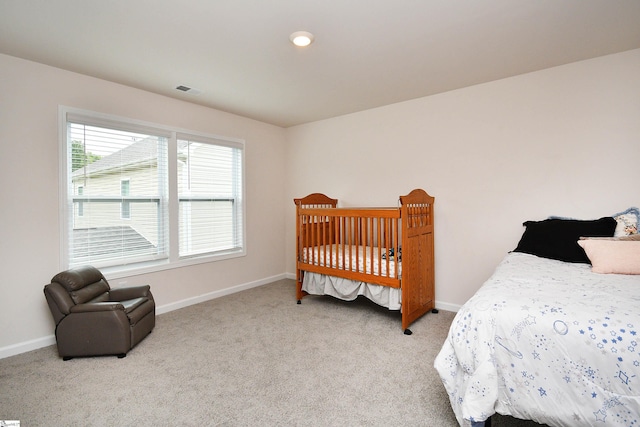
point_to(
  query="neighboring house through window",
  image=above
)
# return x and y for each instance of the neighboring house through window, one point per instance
(208, 189)
(125, 179)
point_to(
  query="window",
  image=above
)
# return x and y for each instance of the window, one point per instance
(147, 196)
(209, 178)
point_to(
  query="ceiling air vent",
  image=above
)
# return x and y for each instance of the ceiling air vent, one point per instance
(188, 90)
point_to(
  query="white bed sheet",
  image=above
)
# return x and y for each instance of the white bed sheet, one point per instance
(348, 290)
(548, 341)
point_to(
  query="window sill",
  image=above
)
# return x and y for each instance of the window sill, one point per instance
(122, 271)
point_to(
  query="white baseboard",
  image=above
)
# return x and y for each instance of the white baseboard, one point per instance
(216, 294)
(23, 347)
(447, 306)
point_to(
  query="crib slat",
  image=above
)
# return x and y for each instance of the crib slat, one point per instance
(333, 238)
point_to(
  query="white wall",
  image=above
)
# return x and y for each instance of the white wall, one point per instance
(29, 220)
(562, 141)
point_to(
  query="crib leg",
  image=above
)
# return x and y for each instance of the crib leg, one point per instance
(299, 302)
(407, 331)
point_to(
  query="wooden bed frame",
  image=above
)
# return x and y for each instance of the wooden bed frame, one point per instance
(325, 232)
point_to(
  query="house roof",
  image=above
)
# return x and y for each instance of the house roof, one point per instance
(236, 54)
(108, 242)
(140, 152)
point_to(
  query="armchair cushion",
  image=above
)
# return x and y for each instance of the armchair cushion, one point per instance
(83, 284)
(137, 309)
(78, 278)
(131, 304)
(93, 307)
(120, 294)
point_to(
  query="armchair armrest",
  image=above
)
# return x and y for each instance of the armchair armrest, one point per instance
(121, 294)
(96, 306)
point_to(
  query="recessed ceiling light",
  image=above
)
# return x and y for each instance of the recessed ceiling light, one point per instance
(301, 38)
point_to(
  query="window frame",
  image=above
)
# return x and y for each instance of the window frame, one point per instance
(66, 209)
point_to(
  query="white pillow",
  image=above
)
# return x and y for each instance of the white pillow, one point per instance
(618, 256)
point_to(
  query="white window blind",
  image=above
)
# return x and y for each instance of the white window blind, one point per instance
(210, 196)
(142, 196)
(117, 185)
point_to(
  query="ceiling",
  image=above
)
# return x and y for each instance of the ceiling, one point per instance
(237, 57)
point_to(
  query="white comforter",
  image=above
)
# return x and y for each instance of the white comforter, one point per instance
(548, 341)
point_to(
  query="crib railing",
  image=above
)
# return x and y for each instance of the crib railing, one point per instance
(363, 244)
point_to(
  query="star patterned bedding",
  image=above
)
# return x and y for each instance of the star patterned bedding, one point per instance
(549, 341)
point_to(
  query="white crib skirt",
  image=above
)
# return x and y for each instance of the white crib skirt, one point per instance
(348, 290)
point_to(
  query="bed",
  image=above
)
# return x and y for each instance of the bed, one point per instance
(385, 254)
(552, 336)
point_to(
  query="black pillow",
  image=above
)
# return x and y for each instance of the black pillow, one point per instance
(558, 238)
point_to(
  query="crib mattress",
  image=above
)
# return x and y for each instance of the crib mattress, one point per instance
(362, 259)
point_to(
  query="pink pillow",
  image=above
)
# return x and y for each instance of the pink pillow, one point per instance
(613, 256)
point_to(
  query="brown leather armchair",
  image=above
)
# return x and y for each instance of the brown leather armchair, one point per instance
(92, 319)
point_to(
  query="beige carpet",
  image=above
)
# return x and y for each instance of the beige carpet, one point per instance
(255, 358)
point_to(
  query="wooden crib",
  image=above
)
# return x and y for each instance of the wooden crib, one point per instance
(380, 246)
